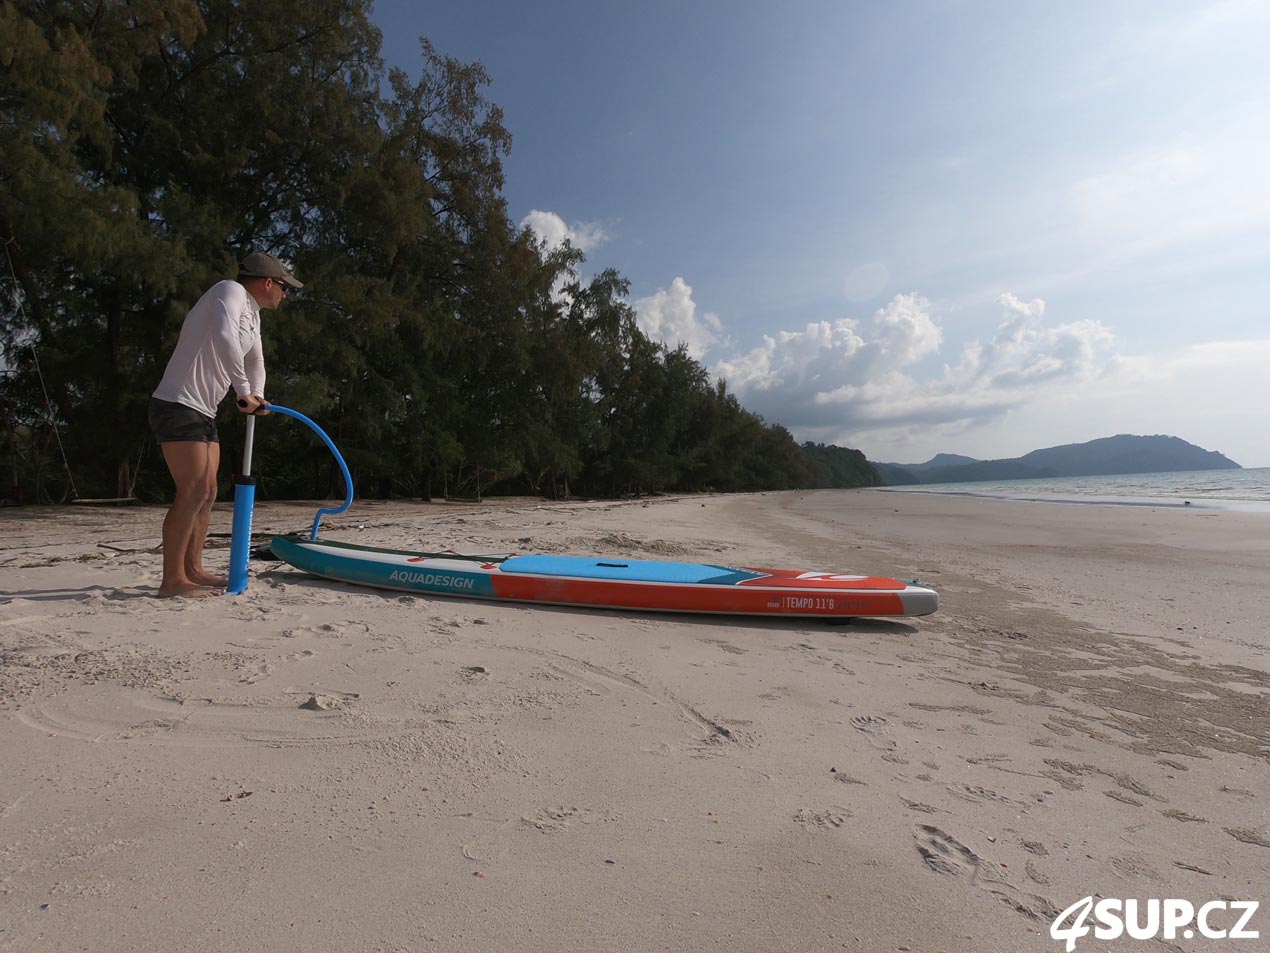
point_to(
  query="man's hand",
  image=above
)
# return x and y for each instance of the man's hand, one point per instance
(249, 405)
(262, 406)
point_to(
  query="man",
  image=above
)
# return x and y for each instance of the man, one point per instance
(219, 348)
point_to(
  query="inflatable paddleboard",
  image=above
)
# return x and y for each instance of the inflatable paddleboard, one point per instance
(610, 583)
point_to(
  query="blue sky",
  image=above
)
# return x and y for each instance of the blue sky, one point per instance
(968, 227)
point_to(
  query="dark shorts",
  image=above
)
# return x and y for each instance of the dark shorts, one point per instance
(171, 422)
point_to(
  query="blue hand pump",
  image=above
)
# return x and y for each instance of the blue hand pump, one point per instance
(245, 499)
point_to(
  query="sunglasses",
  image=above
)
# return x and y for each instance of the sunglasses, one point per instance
(282, 285)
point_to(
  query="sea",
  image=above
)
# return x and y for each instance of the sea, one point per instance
(1247, 490)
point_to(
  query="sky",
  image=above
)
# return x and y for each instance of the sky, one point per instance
(910, 228)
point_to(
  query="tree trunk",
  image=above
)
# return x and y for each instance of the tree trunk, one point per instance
(118, 424)
(16, 488)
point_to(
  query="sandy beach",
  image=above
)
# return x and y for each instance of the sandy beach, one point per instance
(311, 766)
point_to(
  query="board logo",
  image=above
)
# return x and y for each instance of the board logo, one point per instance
(1148, 919)
(444, 580)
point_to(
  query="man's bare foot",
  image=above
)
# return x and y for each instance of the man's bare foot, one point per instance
(200, 578)
(187, 590)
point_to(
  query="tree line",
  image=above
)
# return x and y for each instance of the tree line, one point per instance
(149, 145)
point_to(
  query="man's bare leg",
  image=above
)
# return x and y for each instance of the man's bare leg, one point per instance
(198, 535)
(188, 462)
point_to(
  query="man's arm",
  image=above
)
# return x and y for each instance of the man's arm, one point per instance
(254, 365)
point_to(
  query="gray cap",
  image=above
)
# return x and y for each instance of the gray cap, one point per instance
(262, 265)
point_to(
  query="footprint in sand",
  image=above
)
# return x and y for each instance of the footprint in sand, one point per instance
(1135, 865)
(874, 728)
(977, 795)
(1185, 817)
(1035, 875)
(919, 807)
(1133, 785)
(1224, 789)
(1248, 836)
(1124, 798)
(946, 855)
(259, 674)
(830, 820)
(551, 819)
(327, 630)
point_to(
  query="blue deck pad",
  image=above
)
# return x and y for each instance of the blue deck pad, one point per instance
(631, 570)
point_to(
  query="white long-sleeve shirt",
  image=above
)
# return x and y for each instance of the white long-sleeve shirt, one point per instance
(219, 347)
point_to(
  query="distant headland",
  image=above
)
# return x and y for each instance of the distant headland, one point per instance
(1124, 453)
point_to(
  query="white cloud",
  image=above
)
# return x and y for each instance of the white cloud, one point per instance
(552, 231)
(847, 381)
(824, 360)
(670, 316)
(1025, 309)
(1024, 352)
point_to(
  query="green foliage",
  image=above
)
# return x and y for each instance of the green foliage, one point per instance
(149, 145)
(840, 466)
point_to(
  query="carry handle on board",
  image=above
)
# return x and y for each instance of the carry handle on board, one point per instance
(245, 496)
